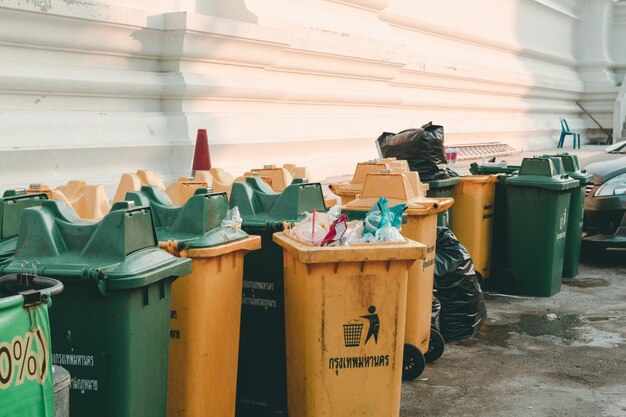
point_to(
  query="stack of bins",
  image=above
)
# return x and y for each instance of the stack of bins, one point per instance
(110, 326)
(573, 240)
(345, 312)
(12, 205)
(421, 342)
(538, 200)
(26, 380)
(206, 305)
(472, 218)
(261, 381)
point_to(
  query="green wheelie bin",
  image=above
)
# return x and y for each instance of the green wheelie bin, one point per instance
(440, 189)
(12, 204)
(26, 386)
(110, 326)
(262, 373)
(573, 240)
(538, 200)
(203, 350)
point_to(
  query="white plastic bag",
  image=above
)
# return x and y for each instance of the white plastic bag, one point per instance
(233, 219)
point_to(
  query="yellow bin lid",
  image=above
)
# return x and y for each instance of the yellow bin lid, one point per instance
(397, 188)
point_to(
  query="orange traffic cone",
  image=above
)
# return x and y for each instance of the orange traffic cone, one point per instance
(201, 157)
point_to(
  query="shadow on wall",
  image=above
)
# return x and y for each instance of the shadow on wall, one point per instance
(191, 44)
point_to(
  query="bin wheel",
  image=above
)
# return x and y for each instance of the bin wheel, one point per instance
(413, 363)
(480, 279)
(509, 282)
(436, 346)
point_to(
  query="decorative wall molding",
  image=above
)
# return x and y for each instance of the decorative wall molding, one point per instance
(97, 91)
(619, 18)
(570, 8)
(424, 26)
(373, 5)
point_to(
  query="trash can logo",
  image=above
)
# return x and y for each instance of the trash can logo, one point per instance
(374, 324)
(352, 334)
(352, 331)
(24, 358)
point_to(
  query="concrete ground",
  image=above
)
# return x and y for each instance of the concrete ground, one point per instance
(549, 357)
(558, 356)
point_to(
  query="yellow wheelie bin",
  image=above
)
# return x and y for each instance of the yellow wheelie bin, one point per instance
(350, 190)
(183, 188)
(90, 201)
(206, 304)
(345, 308)
(277, 178)
(217, 179)
(474, 199)
(297, 172)
(134, 182)
(422, 343)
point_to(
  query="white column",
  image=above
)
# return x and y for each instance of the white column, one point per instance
(227, 9)
(595, 63)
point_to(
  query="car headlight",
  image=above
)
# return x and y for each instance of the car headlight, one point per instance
(614, 186)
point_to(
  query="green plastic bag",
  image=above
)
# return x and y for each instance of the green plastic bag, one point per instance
(381, 216)
(26, 387)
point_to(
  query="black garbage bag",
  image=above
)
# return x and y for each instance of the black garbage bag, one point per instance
(462, 302)
(422, 148)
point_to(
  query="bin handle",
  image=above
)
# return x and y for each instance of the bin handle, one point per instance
(445, 203)
(52, 286)
(172, 247)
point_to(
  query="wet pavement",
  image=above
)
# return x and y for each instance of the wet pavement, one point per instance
(558, 356)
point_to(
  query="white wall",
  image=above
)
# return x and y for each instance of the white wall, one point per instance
(93, 89)
(618, 40)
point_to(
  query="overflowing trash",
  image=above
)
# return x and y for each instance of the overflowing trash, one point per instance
(422, 148)
(381, 224)
(462, 302)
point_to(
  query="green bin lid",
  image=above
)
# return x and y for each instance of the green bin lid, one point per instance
(196, 224)
(262, 208)
(119, 252)
(12, 204)
(299, 180)
(447, 182)
(476, 169)
(558, 163)
(572, 168)
(541, 173)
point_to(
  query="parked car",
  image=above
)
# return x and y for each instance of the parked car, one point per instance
(605, 201)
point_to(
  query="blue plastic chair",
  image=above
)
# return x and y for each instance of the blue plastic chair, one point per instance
(566, 132)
